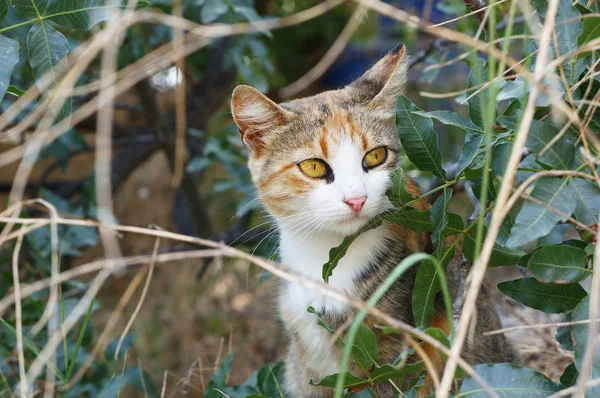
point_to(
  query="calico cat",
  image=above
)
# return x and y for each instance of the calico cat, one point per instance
(321, 166)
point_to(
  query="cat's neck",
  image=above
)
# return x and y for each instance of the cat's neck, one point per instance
(306, 254)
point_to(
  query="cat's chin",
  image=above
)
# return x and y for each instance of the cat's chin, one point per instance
(349, 225)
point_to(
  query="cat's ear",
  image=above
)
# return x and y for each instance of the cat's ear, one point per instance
(256, 115)
(381, 85)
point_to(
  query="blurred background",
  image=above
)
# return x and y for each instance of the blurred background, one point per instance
(198, 311)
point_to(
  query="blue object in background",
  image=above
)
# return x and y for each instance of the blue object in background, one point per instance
(355, 60)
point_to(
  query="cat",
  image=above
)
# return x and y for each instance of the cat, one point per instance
(321, 166)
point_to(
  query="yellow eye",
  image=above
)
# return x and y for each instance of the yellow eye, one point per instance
(314, 168)
(375, 157)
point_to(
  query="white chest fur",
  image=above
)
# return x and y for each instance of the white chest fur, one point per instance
(307, 255)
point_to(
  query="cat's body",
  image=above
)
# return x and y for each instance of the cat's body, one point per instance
(321, 166)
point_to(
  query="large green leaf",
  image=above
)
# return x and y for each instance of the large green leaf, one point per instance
(9, 56)
(559, 263)
(30, 8)
(509, 381)
(580, 332)
(219, 380)
(546, 297)
(79, 14)
(413, 219)
(537, 219)
(418, 138)
(452, 119)
(559, 156)
(427, 285)
(439, 216)
(478, 76)
(588, 201)
(364, 350)
(568, 25)
(46, 48)
(591, 30)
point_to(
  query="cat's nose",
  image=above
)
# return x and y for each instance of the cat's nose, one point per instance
(356, 203)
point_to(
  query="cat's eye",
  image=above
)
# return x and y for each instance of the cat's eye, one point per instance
(375, 157)
(315, 168)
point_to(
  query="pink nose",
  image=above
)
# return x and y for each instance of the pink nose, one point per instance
(356, 203)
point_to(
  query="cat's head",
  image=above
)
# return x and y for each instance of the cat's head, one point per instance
(323, 163)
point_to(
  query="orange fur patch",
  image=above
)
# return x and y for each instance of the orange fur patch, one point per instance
(439, 320)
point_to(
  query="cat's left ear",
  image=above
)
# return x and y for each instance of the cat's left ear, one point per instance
(381, 85)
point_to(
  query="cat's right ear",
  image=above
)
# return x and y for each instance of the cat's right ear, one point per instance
(256, 115)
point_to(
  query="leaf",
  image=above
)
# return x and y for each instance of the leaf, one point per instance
(269, 379)
(349, 381)
(536, 220)
(3, 11)
(413, 219)
(213, 10)
(587, 209)
(439, 216)
(509, 380)
(546, 297)
(80, 14)
(569, 376)
(427, 285)
(9, 57)
(337, 253)
(418, 138)
(559, 156)
(364, 350)
(478, 76)
(559, 263)
(471, 148)
(451, 119)
(219, 379)
(46, 48)
(580, 332)
(397, 193)
(386, 372)
(564, 337)
(30, 8)
(591, 30)
(568, 26)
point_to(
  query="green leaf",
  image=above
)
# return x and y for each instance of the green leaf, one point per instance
(536, 220)
(559, 156)
(3, 11)
(269, 379)
(591, 30)
(546, 297)
(478, 76)
(580, 332)
(509, 380)
(427, 286)
(413, 219)
(559, 263)
(337, 253)
(9, 57)
(418, 138)
(472, 147)
(30, 8)
(564, 337)
(213, 10)
(47, 47)
(587, 210)
(218, 381)
(439, 216)
(568, 26)
(397, 193)
(349, 381)
(501, 256)
(569, 376)
(320, 321)
(451, 119)
(80, 14)
(386, 372)
(364, 350)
